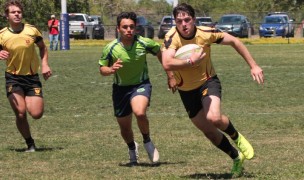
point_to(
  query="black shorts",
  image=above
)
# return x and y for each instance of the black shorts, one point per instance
(30, 85)
(122, 96)
(193, 99)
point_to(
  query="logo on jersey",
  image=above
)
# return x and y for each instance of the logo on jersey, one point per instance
(140, 90)
(37, 91)
(140, 53)
(10, 88)
(205, 92)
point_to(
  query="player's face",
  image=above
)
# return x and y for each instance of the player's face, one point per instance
(14, 15)
(185, 24)
(126, 28)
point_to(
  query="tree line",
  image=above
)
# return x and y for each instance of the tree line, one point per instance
(37, 12)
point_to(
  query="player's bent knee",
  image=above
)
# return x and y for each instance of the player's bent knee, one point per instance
(36, 115)
(140, 116)
(215, 120)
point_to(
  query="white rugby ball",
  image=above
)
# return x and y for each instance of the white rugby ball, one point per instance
(185, 51)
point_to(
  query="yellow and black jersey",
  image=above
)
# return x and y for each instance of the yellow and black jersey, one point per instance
(193, 77)
(23, 58)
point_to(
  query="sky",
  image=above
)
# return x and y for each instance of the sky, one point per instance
(170, 1)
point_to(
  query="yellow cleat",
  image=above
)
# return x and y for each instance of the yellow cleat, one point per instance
(244, 146)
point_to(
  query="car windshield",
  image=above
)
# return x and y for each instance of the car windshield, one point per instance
(274, 19)
(141, 21)
(230, 19)
(76, 18)
(203, 20)
(168, 21)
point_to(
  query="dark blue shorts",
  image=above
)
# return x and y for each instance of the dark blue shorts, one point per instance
(122, 96)
(30, 85)
(193, 99)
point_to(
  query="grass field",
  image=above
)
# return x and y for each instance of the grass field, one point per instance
(78, 137)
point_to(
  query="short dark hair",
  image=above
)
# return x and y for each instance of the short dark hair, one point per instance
(12, 3)
(183, 7)
(126, 15)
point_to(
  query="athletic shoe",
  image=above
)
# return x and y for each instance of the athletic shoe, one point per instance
(152, 152)
(237, 168)
(133, 154)
(244, 146)
(31, 148)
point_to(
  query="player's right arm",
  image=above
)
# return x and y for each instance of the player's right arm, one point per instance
(108, 63)
(170, 63)
(106, 71)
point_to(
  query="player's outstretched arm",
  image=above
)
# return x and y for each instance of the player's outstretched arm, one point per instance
(256, 70)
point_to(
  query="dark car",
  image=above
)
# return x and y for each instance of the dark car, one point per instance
(235, 24)
(204, 21)
(165, 25)
(143, 28)
(98, 27)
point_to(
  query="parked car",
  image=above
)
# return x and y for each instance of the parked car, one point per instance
(80, 26)
(143, 28)
(165, 25)
(289, 22)
(204, 21)
(98, 27)
(273, 26)
(235, 24)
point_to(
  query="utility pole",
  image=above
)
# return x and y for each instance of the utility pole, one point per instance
(175, 2)
(64, 27)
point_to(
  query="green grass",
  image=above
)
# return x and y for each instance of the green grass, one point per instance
(78, 137)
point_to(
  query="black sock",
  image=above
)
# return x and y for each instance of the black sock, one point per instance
(231, 131)
(29, 141)
(228, 148)
(131, 145)
(146, 138)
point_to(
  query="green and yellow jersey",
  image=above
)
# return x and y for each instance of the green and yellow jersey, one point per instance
(23, 58)
(193, 77)
(135, 69)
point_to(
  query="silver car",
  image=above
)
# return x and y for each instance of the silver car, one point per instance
(235, 24)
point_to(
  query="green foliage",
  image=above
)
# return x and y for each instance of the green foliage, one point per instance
(78, 6)
(37, 12)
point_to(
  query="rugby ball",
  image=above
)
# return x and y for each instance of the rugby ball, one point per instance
(185, 51)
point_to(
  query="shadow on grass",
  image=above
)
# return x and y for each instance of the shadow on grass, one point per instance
(41, 149)
(216, 176)
(148, 164)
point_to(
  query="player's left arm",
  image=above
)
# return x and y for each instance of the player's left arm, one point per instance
(45, 68)
(256, 70)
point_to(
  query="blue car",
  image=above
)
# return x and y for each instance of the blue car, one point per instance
(274, 26)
